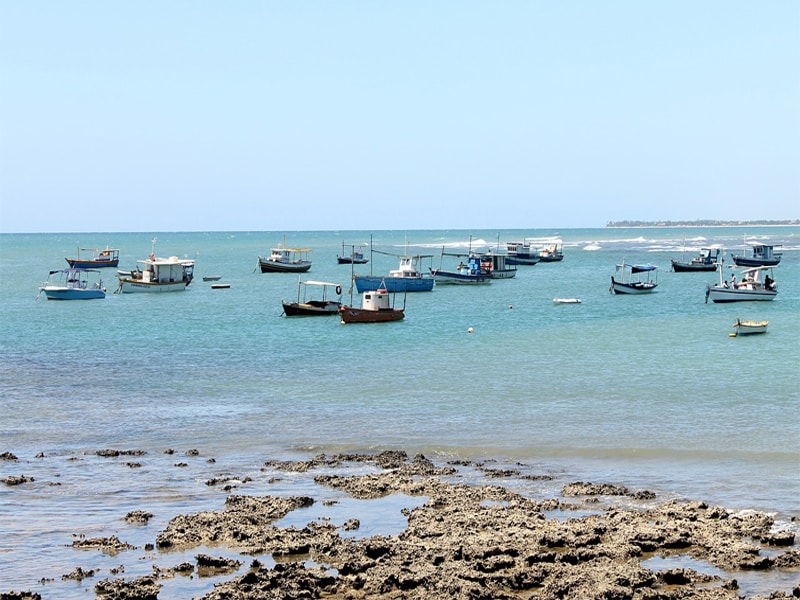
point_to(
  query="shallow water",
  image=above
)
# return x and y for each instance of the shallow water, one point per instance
(649, 391)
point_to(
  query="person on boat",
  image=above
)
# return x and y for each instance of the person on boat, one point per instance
(733, 280)
(768, 281)
(725, 283)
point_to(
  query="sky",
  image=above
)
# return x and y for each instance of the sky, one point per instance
(195, 115)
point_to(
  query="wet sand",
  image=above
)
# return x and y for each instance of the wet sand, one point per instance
(464, 541)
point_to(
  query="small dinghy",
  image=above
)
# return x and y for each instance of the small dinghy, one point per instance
(748, 327)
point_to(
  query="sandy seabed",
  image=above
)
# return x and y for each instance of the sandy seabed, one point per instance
(465, 541)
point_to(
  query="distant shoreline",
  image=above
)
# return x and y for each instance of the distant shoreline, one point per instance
(701, 223)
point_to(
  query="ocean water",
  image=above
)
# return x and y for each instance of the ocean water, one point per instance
(646, 391)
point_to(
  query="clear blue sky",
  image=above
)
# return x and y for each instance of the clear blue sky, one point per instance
(260, 115)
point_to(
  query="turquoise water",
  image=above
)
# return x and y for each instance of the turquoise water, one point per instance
(646, 391)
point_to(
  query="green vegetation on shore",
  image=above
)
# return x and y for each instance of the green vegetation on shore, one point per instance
(702, 223)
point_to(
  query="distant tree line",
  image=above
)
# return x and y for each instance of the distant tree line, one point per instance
(701, 223)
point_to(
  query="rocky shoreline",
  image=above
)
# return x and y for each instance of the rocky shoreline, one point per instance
(465, 541)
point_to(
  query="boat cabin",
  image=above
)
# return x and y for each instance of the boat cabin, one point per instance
(166, 270)
(376, 300)
(764, 252)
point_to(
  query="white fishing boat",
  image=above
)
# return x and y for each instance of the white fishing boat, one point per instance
(755, 283)
(286, 260)
(748, 327)
(156, 274)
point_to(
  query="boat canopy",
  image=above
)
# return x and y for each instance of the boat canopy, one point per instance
(642, 268)
(638, 268)
(320, 283)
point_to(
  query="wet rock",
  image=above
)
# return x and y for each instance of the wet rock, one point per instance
(78, 574)
(582, 488)
(108, 545)
(20, 596)
(141, 588)
(8, 456)
(13, 480)
(243, 523)
(138, 516)
(210, 565)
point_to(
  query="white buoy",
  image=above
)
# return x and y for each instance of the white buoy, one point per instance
(470, 330)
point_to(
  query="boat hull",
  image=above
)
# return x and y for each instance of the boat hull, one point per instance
(350, 314)
(743, 261)
(131, 286)
(343, 260)
(311, 309)
(270, 266)
(503, 274)
(521, 260)
(681, 267)
(722, 294)
(370, 283)
(637, 287)
(750, 327)
(451, 277)
(60, 293)
(78, 263)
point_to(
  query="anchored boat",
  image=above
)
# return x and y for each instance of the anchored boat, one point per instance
(73, 284)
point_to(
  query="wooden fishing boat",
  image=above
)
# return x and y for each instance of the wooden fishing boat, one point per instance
(355, 257)
(100, 258)
(156, 274)
(375, 308)
(469, 273)
(645, 281)
(313, 307)
(705, 261)
(760, 255)
(748, 327)
(405, 278)
(286, 260)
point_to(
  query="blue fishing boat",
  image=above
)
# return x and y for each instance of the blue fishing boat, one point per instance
(73, 284)
(406, 278)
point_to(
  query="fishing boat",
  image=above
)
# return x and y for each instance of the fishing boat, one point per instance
(73, 284)
(156, 274)
(306, 307)
(522, 253)
(100, 258)
(376, 307)
(405, 278)
(496, 265)
(756, 283)
(355, 257)
(644, 282)
(748, 327)
(551, 250)
(286, 260)
(469, 273)
(761, 255)
(705, 261)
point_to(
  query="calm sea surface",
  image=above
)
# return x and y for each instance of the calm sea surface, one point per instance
(646, 391)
